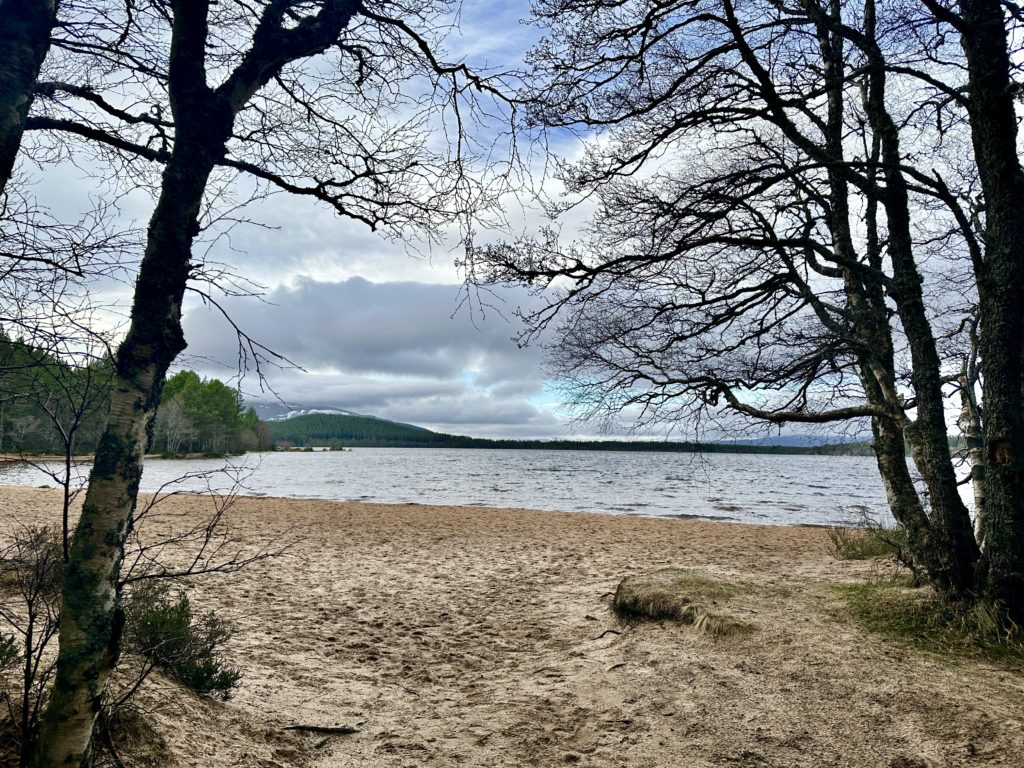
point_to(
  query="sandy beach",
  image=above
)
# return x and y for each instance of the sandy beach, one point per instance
(482, 637)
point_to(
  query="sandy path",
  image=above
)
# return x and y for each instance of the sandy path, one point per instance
(478, 637)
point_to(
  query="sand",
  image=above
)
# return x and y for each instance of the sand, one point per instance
(482, 637)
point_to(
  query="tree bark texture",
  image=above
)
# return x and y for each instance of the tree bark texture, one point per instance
(25, 27)
(91, 616)
(872, 335)
(1001, 299)
(952, 552)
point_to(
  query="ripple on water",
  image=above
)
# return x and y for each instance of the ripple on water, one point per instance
(775, 489)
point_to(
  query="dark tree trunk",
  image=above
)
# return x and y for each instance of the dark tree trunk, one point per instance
(91, 616)
(1001, 299)
(25, 27)
(952, 552)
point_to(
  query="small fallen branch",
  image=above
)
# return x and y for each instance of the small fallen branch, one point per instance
(336, 730)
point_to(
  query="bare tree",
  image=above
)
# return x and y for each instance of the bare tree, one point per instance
(173, 426)
(168, 545)
(986, 29)
(71, 395)
(768, 240)
(337, 100)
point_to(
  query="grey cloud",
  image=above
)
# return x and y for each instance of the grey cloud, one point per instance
(296, 236)
(404, 351)
(397, 329)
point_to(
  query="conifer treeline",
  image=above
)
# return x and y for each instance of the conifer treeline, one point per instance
(338, 430)
(45, 400)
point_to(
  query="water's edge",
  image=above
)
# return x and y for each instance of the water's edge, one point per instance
(766, 489)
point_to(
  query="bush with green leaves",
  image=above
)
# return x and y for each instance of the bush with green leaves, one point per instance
(161, 626)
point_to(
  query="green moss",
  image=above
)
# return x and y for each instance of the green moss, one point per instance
(110, 452)
(918, 619)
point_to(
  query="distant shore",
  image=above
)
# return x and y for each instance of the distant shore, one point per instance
(450, 635)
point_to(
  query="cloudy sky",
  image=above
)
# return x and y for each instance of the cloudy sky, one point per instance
(372, 327)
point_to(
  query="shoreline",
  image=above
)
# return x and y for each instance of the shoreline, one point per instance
(777, 490)
(681, 517)
(453, 635)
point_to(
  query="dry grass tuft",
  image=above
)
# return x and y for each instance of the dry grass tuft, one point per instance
(859, 544)
(675, 594)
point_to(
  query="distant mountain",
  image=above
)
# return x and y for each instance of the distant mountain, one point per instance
(279, 411)
(270, 412)
(317, 427)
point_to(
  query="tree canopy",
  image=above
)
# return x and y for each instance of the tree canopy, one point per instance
(42, 393)
(801, 214)
(205, 416)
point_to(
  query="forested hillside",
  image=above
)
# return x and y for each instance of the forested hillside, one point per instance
(50, 405)
(338, 430)
(46, 404)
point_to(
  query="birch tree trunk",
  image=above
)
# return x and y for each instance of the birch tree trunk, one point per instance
(91, 616)
(92, 619)
(970, 425)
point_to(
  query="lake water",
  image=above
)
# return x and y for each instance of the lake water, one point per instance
(751, 488)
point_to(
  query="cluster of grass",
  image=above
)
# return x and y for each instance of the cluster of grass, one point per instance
(160, 625)
(679, 595)
(862, 543)
(919, 619)
(871, 539)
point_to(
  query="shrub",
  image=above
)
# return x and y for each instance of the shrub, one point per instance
(161, 626)
(30, 573)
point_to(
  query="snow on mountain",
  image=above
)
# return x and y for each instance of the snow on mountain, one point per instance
(307, 411)
(281, 411)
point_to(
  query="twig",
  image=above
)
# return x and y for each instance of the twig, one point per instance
(337, 730)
